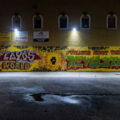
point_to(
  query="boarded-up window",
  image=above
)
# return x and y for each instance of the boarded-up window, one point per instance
(37, 22)
(63, 21)
(85, 21)
(112, 21)
(16, 21)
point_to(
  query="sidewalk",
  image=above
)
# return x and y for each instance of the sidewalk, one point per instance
(62, 74)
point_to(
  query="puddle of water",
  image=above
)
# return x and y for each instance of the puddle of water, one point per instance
(46, 98)
(38, 97)
(63, 95)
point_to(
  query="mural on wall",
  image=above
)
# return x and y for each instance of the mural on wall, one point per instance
(94, 59)
(14, 59)
(40, 58)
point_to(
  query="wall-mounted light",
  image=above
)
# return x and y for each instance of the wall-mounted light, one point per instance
(16, 31)
(74, 36)
(74, 29)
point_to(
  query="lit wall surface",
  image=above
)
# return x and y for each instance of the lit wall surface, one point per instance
(97, 35)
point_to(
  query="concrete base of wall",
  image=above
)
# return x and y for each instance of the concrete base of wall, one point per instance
(61, 74)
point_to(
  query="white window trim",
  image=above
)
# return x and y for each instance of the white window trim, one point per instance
(20, 21)
(89, 21)
(59, 22)
(115, 22)
(41, 22)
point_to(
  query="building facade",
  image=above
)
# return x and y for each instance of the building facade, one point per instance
(60, 35)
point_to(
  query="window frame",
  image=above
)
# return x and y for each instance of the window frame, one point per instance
(83, 15)
(41, 22)
(116, 24)
(61, 15)
(20, 21)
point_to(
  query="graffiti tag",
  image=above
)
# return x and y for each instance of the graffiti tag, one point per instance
(16, 65)
(80, 62)
(24, 55)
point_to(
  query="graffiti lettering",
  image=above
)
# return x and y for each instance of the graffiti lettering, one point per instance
(29, 56)
(80, 62)
(77, 52)
(14, 65)
(115, 52)
(100, 52)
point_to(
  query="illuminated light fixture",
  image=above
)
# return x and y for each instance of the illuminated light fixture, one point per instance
(74, 29)
(74, 32)
(16, 31)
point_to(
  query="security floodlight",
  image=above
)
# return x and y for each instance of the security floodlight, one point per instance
(74, 29)
(16, 31)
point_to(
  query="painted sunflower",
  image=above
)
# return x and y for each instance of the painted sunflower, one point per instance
(54, 61)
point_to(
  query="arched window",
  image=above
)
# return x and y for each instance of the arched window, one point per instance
(16, 21)
(37, 21)
(85, 21)
(63, 20)
(111, 21)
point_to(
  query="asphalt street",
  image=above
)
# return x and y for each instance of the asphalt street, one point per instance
(60, 96)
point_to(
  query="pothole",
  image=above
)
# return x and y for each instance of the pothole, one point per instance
(39, 96)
